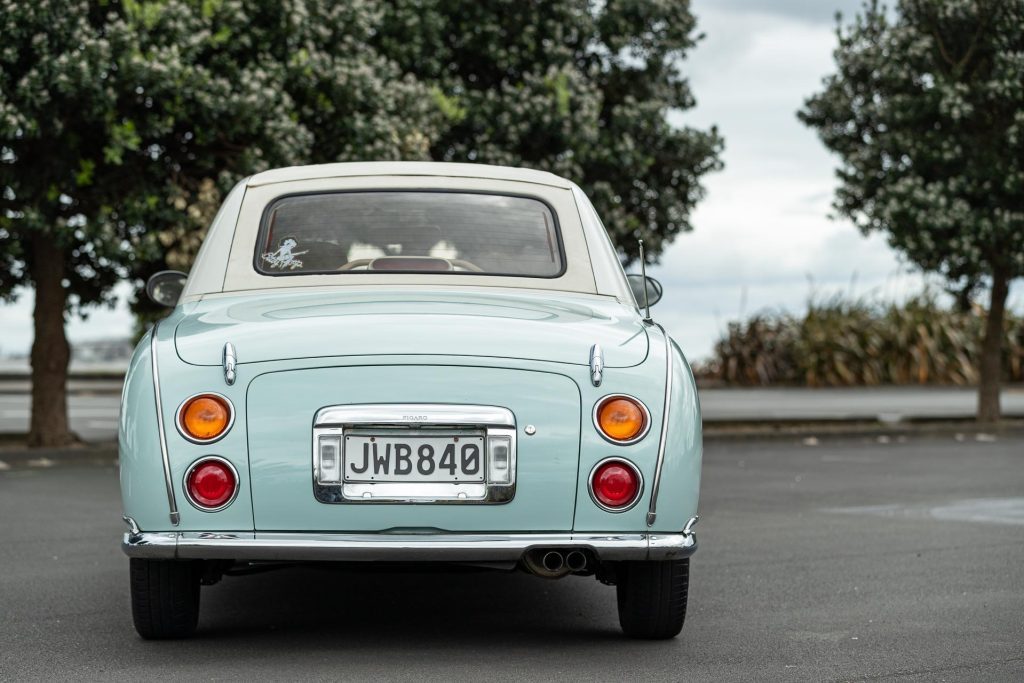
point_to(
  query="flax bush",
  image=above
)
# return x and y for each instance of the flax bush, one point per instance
(843, 342)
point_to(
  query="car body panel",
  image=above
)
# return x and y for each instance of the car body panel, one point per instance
(280, 455)
(377, 321)
(304, 343)
(142, 482)
(680, 477)
(143, 491)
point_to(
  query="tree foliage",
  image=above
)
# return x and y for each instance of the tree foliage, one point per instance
(577, 88)
(926, 112)
(130, 119)
(122, 123)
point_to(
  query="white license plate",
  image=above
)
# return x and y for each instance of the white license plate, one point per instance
(444, 458)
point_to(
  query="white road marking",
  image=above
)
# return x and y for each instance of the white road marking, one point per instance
(982, 510)
(41, 462)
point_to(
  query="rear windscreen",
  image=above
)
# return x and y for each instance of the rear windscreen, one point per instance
(409, 232)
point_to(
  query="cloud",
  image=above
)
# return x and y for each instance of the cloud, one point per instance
(763, 237)
(810, 11)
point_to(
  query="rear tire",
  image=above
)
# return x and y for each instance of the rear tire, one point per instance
(165, 597)
(652, 598)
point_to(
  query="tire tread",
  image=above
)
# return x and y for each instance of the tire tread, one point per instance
(652, 598)
(165, 597)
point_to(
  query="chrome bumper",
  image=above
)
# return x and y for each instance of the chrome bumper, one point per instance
(399, 548)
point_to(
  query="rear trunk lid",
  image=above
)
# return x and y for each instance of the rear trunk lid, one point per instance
(281, 409)
(455, 322)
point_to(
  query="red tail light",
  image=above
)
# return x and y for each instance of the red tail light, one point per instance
(211, 484)
(616, 485)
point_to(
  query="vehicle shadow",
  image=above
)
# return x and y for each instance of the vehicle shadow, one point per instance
(367, 608)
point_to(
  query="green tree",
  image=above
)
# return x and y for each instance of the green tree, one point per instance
(122, 123)
(926, 112)
(578, 88)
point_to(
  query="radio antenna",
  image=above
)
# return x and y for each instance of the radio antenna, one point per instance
(643, 271)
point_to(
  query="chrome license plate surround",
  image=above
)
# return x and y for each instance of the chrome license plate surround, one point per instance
(492, 426)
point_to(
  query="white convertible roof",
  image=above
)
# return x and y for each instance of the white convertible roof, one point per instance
(225, 263)
(406, 168)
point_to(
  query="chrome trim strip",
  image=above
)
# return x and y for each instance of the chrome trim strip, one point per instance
(171, 502)
(688, 529)
(414, 415)
(188, 472)
(204, 442)
(596, 365)
(638, 437)
(133, 528)
(652, 511)
(299, 547)
(229, 359)
(639, 491)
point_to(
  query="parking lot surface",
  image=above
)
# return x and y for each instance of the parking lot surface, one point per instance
(832, 560)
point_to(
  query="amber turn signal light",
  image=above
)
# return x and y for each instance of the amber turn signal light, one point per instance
(622, 419)
(204, 417)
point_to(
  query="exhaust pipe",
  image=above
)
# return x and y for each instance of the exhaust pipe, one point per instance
(552, 561)
(576, 561)
(547, 564)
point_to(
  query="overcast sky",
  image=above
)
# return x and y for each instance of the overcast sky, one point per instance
(762, 236)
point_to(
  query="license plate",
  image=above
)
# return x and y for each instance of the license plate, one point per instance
(447, 458)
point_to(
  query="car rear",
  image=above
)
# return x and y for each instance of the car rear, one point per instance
(457, 373)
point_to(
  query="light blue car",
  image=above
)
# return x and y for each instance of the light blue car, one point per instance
(409, 363)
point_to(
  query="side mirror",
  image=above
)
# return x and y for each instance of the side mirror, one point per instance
(165, 287)
(638, 283)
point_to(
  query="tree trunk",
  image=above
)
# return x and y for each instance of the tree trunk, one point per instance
(992, 350)
(50, 350)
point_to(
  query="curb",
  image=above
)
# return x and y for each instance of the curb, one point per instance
(19, 457)
(840, 429)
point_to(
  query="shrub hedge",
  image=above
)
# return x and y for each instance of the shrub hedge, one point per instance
(843, 342)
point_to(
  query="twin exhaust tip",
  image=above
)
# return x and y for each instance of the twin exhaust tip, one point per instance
(555, 563)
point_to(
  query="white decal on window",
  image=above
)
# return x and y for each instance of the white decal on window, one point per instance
(284, 257)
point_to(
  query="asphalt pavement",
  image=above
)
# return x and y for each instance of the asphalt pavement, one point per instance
(93, 405)
(870, 559)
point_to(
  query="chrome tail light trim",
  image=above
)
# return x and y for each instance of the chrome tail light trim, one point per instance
(188, 473)
(213, 439)
(639, 489)
(632, 399)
